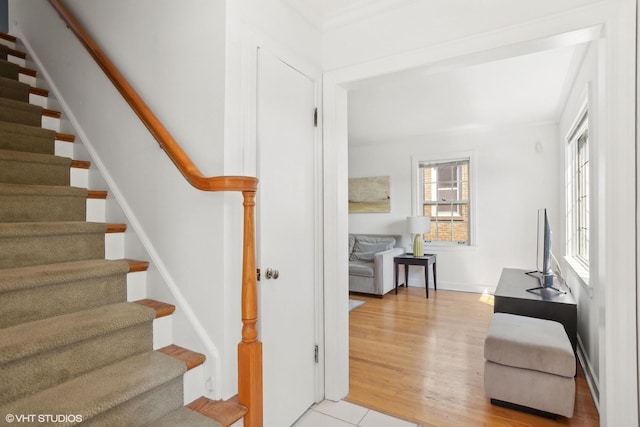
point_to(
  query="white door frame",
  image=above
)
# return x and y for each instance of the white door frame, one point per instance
(251, 42)
(618, 370)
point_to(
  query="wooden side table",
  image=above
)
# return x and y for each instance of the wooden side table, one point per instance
(425, 261)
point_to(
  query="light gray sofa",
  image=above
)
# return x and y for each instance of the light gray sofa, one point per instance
(371, 269)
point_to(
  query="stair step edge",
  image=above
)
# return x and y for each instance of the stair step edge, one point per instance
(17, 53)
(162, 309)
(39, 91)
(28, 72)
(136, 266)
(191, 358)
(226, 412)
(8, 37)
(97, 194)
(65, 137)
(80, 164)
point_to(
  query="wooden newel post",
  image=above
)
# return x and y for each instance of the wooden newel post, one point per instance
(250, 349)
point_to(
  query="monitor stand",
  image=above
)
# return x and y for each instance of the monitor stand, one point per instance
(546, 282)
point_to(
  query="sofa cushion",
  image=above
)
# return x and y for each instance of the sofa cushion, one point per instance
(366, 247)
(361, 268)
(352, 242)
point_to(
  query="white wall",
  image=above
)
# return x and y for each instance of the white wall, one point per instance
(512, 179)
(589, 295)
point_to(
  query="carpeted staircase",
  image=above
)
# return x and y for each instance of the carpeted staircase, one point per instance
(71, 345)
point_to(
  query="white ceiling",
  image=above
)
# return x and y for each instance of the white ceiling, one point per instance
(507, 92)
(323, 13)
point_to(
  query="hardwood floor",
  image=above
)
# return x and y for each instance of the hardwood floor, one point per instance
(422, 360)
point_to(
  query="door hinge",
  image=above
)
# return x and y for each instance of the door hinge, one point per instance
(258, 274)
(315, 354)
(315, 117)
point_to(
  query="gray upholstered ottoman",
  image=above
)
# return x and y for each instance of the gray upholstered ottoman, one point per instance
(529, 363)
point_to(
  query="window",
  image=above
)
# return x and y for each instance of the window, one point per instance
(444, 196)
(578, 197)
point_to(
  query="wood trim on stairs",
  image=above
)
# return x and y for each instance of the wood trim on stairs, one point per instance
(38, 91)
(97, 194)
(65, 137)
(162, 308)
(8, 37)
(28, 72)
(17, 54)
(137, 266)
(80, 164)
(190, 358)
(51, 113)
(226, 412)
(116, 228)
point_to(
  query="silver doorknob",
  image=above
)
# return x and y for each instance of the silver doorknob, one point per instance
(272, 274)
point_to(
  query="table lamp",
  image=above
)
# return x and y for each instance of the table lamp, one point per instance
(418, 225)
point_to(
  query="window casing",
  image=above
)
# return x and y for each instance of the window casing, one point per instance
(579, 172)
(444, 193)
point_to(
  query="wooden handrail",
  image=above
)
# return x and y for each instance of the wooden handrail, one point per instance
(153, 124)
(249, 349)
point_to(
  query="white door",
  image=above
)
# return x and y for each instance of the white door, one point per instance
(286, 229)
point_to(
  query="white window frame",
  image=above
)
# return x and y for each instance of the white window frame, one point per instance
(577, 130)
(417, 189)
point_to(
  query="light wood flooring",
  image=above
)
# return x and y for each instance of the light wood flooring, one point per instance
(422, 360)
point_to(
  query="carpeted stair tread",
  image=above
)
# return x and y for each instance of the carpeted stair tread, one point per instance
(13, 89)
(47, 159)
(17, 137)
(185, 417)
(34, 168)
(38, 292)
(24, 244)
(42, 190)
(27, 203)
(20, 112)
(9, 69)
(13, 279)
(82, 347)
(31, 338)
(103, 396)
(38, 229)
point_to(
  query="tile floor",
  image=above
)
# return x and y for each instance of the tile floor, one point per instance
(345, 414)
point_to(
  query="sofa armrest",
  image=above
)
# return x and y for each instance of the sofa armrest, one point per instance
(383, 268)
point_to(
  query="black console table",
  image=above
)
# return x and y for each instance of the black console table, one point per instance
(512, 297)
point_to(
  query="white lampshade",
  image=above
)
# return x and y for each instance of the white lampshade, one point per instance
(418, 225)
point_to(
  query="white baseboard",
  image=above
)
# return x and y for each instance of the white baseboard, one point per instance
(592, 379)
(453, 286)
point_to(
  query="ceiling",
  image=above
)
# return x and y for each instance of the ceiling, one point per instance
(502, 93)
(325, 13)
(519, 86)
